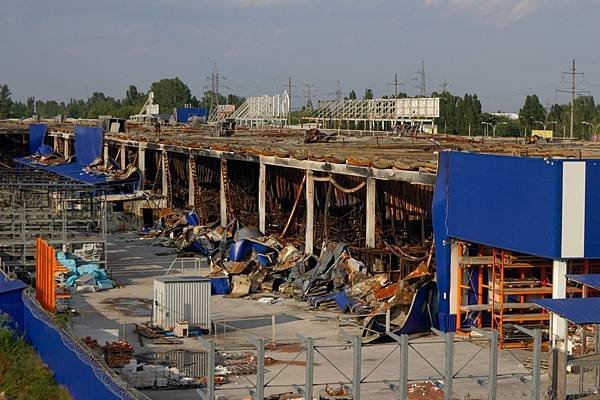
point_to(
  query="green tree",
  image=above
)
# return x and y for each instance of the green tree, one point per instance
(352, 95)
(133, 97)
(5, 101)
(171, 93)
(532, 111)
(368, 94)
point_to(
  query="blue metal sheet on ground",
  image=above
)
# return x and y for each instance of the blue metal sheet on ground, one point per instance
(580, 311)
(88, 144)
(37, 132)
(591, 280)
(72, 171)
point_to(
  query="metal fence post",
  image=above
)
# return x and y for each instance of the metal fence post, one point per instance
(310, 358)
(356, 365)
(260, 369)
(403, 380)
(493, 371)
(449, 336)
(536, 370)
(210, 373)
(597, 368)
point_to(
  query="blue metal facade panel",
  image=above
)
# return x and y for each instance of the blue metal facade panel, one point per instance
(592, 209)
(88, 144)
(577, 310)
(37, 132)
(185, 113)
(508, 202)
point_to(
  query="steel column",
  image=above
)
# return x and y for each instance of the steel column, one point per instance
(356, 368)
(310, 209)
(370, 210)
(493, 368)
(403, 381)
(449, 370)
(310, 359)
(260, 369)
(262, 193)
(536, 368)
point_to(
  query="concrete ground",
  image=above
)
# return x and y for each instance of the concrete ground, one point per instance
(110, 314)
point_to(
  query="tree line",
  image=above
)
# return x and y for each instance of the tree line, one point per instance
(458, 115)
(169, 93)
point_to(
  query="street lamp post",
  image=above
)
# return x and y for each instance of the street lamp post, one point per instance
(593, 127)
(486, 124)
(545, 124)
(494, 126)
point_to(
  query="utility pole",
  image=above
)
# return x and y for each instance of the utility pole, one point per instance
(573, 91)
(215, 84)
(307, 92)
(395, 84)
(289, 87)
(421, 79)
(338, 91)
(445, 85)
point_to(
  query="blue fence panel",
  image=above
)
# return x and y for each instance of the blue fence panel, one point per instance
(72, 366)
(37, 132)
(88, 144)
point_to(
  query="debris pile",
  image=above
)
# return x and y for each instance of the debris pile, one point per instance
(316, 136)
(81, 275)
(144, 376)
(117, 354)
(47, 156)
(255, 263)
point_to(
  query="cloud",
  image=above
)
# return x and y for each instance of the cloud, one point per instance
(504, 12)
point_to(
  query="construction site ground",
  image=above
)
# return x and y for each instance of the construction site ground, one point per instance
(111, 314)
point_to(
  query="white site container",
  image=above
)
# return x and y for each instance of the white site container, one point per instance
(182, 298)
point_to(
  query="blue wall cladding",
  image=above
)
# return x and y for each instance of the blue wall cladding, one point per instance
(508, 202)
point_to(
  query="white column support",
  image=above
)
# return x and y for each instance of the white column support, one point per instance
(454, 278)
(310, 210)
(262, 195)
(165, 183)
(105, 153)
(223, 199)
(123, 159)
(55, 142)
(370, 209)
(67, 150)
(559, 291)
(142, 161)
(191, 181)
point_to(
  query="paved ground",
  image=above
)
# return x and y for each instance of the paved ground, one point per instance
(134, 265)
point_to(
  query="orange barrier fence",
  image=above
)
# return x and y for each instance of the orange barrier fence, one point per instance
(46, 268)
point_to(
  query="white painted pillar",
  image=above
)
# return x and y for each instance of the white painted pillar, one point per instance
(67, 148)
(559, 291)
(105, 153)
(191, 181)
(123, 160)
(223, 199)
(454, 278)
(141, 161)
(370, 209)
(310, 209)
(165, 182)
(262, 197)
(55, 142)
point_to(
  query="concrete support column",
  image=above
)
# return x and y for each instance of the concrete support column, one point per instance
(223, 199)
(165, 182)
(310, 210)
(142, 161)
(55, 142)
(123, 159)
(455, 278)
(262, 197)
(105, 153)
(370, 219)
(559, 291)
(191, 181)
(67, 148)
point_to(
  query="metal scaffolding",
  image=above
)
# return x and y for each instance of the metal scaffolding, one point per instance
(377, 113)
(34, 203)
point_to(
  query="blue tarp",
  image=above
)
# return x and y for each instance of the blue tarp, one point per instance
(185, 113)
(88, 144)
(591, 280)
(577, 310)
(37, 132)
(71, 171)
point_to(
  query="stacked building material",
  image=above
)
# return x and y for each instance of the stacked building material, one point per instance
(117, 354)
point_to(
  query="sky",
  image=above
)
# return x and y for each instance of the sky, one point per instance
(500, 49)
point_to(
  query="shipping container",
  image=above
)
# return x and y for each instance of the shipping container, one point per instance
(182, 298)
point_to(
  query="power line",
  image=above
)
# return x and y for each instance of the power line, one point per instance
(421, 79)
(215, 83)
(573, 91)
(338, 91)
(289, 87)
